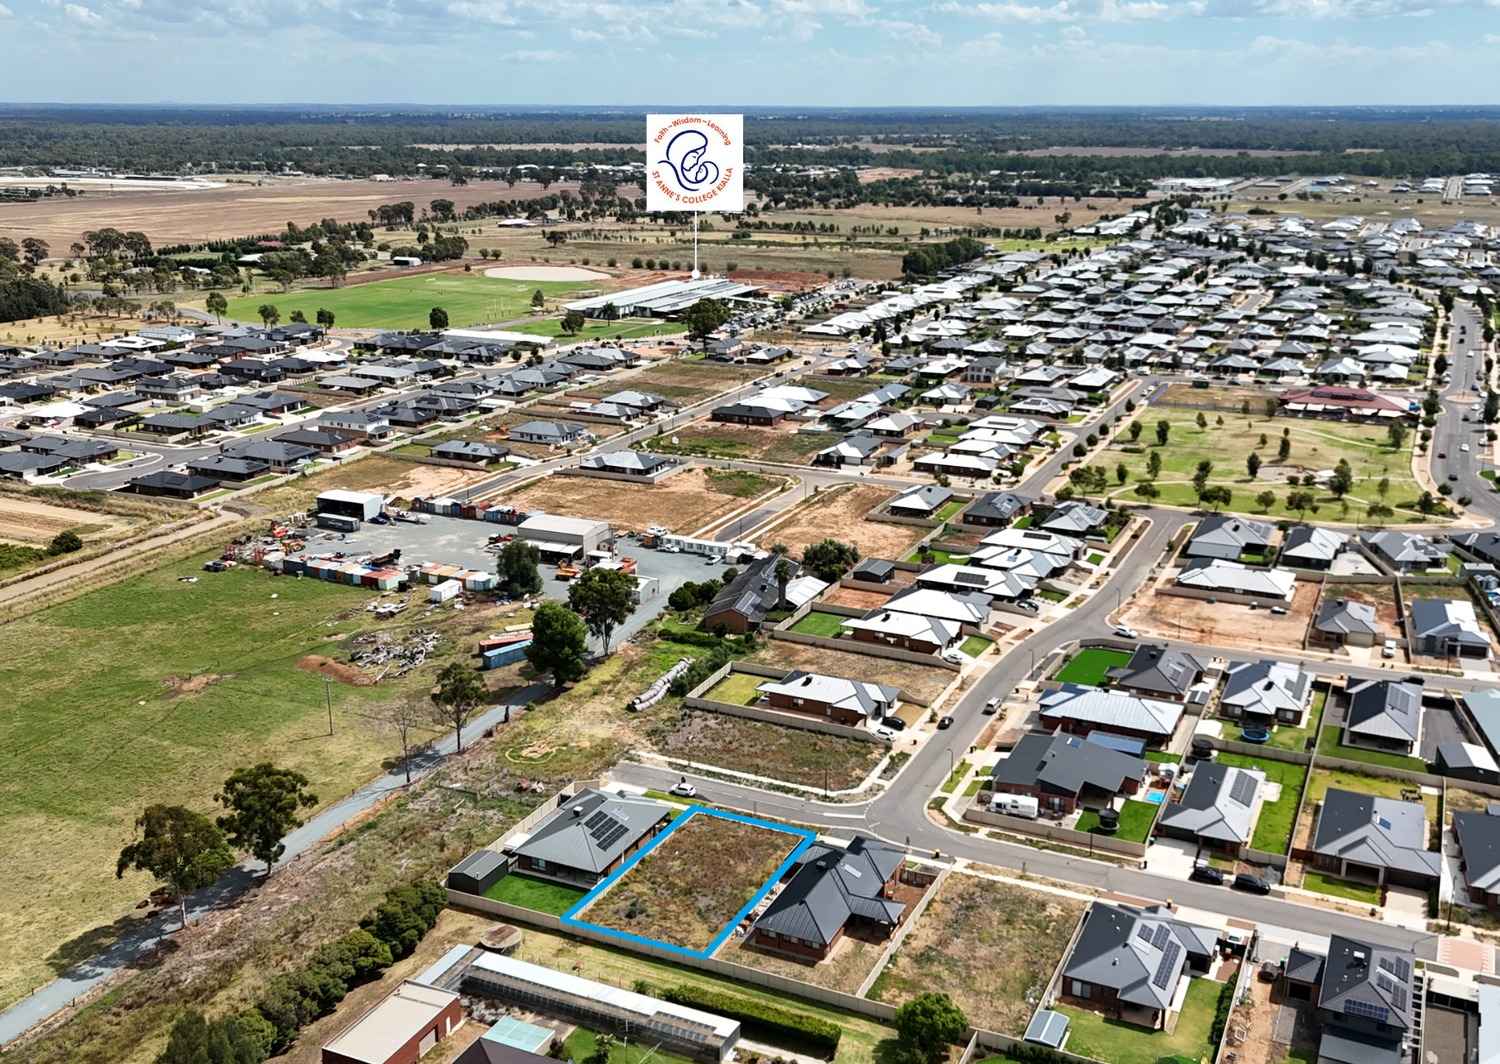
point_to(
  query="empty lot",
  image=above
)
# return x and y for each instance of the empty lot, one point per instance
(840, 513)
(684, 502)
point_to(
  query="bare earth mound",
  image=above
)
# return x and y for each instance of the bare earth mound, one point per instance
(545, 273)
(342, 673)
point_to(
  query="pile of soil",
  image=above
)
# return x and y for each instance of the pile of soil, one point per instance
(342, 673)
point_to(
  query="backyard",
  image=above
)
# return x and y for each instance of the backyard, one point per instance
(1331, 744)
(539, 895)
(1136, 819)
(1092, 1035)
(1089, 665)
(1273, 827)
(741, 688)
(1288, 738)
(817, 622)
(992, 946)
(668, 895)
(1314, 446)
(774, 751)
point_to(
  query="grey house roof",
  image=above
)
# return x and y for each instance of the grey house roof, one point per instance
(1344, 617)
(1309, 543)
(1227, 537)
(1266, 687)
(1110, 710)
(1074, 518)
(1304, 965)
(832, 885)
(1219, 803)
(1479, 839)
(1065, 764)
(997, 505)
(1369, 982)
(923, 499)
(1159, 670)
(1407, 549)
(1484, 545)
(1385, 709)
(1379, 832)
(1138, 953)
(592, 830)
(1450, 620)
(636, 463)
(871, 699)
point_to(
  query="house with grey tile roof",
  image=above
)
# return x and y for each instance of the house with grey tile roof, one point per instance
(627, 463)
(1311, 547)
(832, 891)
(1231, 578)
(1446, 628)
(1228, 537)
(1375, 840)
(1158, 672)
(1128, 962)
(833, 698)
(1065, 773)
(590, 836)
(1478, 838)
(1344, 622)
(1366, 999)
(1266, 692)
(1080, 710)
(1384, 715)
(921, 501)
(1406, 552)
(1217, 809)
(1074, 518)
(996, 509)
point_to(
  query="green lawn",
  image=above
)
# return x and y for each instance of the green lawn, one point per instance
(1314, 445)
(1331, 744)
(975, 645)
(957, 774)
(404, 302)
(1125, 1043)
(579, 1047)
(820, 623)
(538, 895)
(1274, 826)
(738, 688)
(1050, 595)
(1088, 666)
(1286, 738)
(1162, 757)
(1386, 787)
(1363, 893)
(621, 329)
(940, 557)
(1136, 819)
(948, 511)
(1096, 558)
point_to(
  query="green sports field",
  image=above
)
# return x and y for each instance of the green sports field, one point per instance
(404, 302)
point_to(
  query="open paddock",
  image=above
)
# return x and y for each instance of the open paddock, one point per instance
(715, 439)
(686, 383)
(685, 502)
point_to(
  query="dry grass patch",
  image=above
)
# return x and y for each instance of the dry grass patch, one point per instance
(992, 946)
(922, 682)
(691, 382)
(845, 971)
(684, 502)
(776, 751)
(841, 513)
(688, 888)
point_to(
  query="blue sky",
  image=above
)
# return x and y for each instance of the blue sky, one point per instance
(754, 52)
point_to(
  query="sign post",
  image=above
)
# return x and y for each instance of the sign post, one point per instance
(695, 162)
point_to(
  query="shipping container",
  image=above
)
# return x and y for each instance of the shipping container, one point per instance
(502, 656)
(445, 591)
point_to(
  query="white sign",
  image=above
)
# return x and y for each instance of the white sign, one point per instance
(695, 162)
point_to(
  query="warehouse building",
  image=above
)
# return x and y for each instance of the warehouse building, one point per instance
(357, 504)
(564, 538)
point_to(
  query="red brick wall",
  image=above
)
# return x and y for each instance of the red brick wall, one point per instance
(820, 710)
(407, 1053)
(795, 948)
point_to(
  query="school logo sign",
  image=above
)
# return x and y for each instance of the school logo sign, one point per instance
(695, 162)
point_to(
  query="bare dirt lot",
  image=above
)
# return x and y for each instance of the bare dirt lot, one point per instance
(684, 502)
(864, 600)
(690, 382)
(34, 523)
(667, 896)
(773, 750)
(841, 514)
(969, 925)
(1224, 624)
(922, 682)
(717, 439)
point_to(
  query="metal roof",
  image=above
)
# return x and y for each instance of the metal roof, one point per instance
(408, 1011)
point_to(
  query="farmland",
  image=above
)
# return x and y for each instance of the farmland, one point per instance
(666, 896)
(969, 924)
(684, 502)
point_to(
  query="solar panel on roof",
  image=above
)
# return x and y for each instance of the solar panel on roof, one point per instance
(1161, 936)
(1398, 998)
(1363, 1008)
(1167, 967)
(1243, 790)
(604, 829)
(1143, 933)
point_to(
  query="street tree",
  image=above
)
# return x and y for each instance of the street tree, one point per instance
(404, 719)
(516, 566)
(217, 305)
(263, 803)
(927, 1025)
(1218, 496)
(437, 318)
(1301, 501)
(269, 315)
(783, 571)
(1163, 430)
(1383, 488)
(703, 317)
(1147, 490)
(325, 318)
(1379, 512)
(605, 599)
(181, 848)
(1265, 500)
(1122, 472)
(558, 643)
(458, 695)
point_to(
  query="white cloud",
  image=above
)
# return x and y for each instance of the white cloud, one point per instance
(82, 15)
(914, 33)
(585, 35)
(5, 12)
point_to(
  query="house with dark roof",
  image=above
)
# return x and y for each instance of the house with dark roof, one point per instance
(628, 463)
(1446, 628)
(859, 448)
(590, 835)
(831, 698)
(549, 433)
(1371, 839)
(1478, 838)
(1217, 810)
(221, 467)
(281, 457)
(1229, 537)
(743, 603)
(1128, 962)
(1367, 999)
(996, 509)
(1483, 545)
(832, 892)
(1384, 715)
(1158, 672)
(471, 452)
(1312, 547)
(1065, 773)
(1075, 518)
(1406, 552)
(173, 426)
(1344, 622)
(170, 485)
(1266, 692)
(321, 440)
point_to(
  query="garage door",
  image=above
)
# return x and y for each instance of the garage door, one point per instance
(428, 1041)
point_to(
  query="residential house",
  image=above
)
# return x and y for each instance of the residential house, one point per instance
(1080, 710)
(590, 836)
(1066, 773)
(1445, 628)
(1406, 552)
(1217, 810)
(1266, 692)
(1229, 537)
(961, 608)
(1372, 839)
(1384, 715)
(324, 442)
(857, 449)
(1342, 622)
(743, 603)
(1478, 839)
(164, 483)
(628, 463)
(400, 1029)
(221, 467)
(281, 457)
(1074, 518)
(1159, 672)
(833, 891)
(471, 452)
(1312, 547)
(1128, 962)
(1366, 996)
(366, 424)
(172, 389)
(898, 425)
(903, 631)
(1000, 585)
(549, 433)
(1483, 545)
(1232, 578)
(996, 509)
(922, 501)
(176, 425)
(750, 412)
(832, 698)
(954, 464)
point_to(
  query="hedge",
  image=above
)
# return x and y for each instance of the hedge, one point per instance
(761, 1020)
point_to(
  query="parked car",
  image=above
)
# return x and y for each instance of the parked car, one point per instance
(1279, 610)
(990, 706)
(894, 723)
(1207, 874)
(1452, 476)
(1388, 650)
(1253, 884)
(955, 656)
(1442, 454)
(885, 733)
(944, 723)
(684, 789)
(1464, 447)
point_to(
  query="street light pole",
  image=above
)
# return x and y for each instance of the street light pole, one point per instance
(328, 698)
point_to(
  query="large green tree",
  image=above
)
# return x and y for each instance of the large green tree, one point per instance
(703, 317)
(516, 566)
(182, 849)
(244, 1038)
(558, 643)
(217, 305)
(263, 804)
(458, 695)
(605, 599)
(829, 559)
(928, 1024)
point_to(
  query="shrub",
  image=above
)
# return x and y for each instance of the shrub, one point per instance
(759, 1019)
(1221, 1014)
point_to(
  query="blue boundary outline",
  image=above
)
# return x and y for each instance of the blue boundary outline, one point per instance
(570, 918)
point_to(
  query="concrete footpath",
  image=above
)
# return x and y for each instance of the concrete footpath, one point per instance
(75, 986)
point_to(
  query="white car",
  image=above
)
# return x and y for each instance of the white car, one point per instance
(888, 734)
(1463, 447)
(1126, 633)
(1389, 649)
(955, 656)
(684, 789)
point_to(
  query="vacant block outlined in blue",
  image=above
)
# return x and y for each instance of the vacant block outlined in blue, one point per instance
(570, 918)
